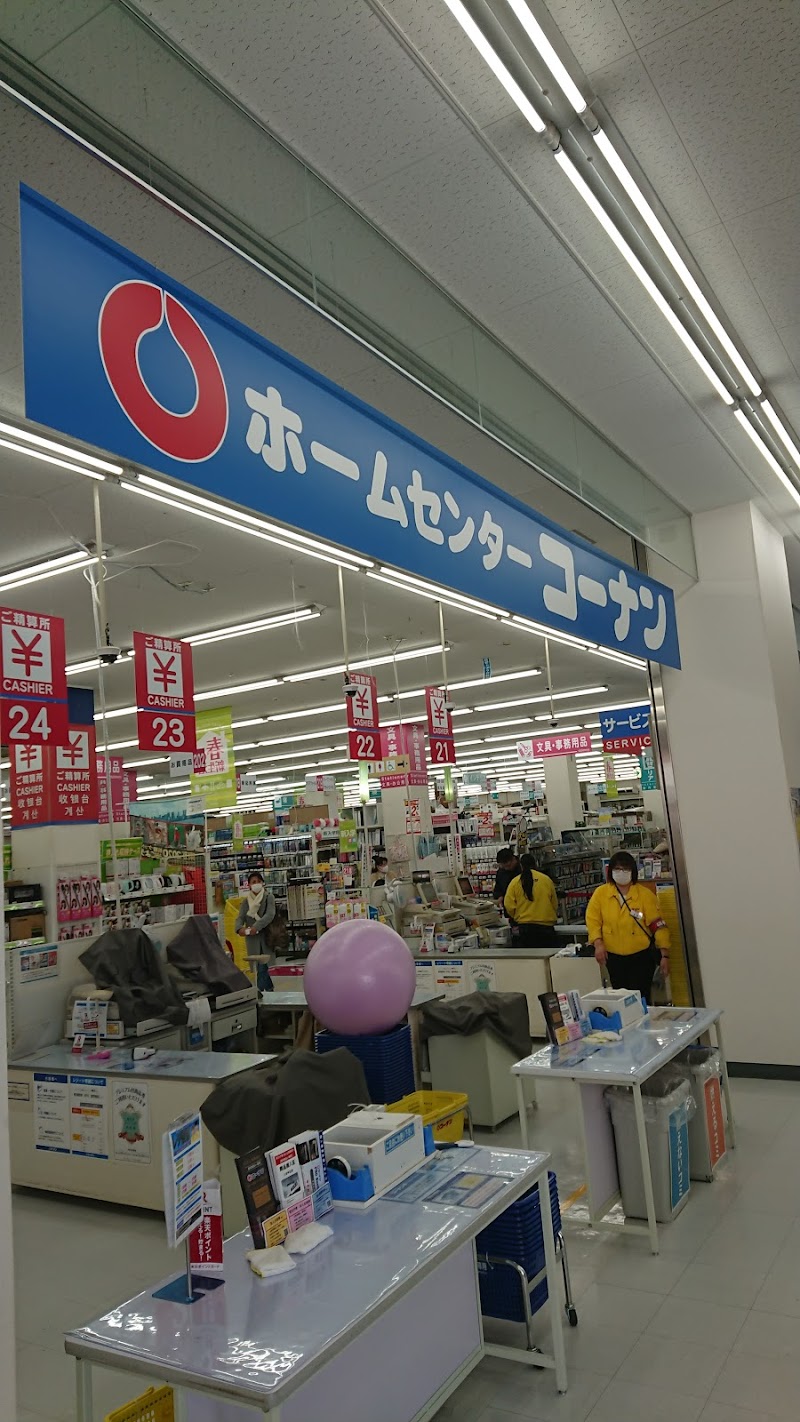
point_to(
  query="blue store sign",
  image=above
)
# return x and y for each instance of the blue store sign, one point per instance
(120, 355)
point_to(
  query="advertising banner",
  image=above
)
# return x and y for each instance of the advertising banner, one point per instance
(214, 774)
(33, 680)
(120, 790)
(626, 732)
(117, 353)
(539, 746)
(164, 693)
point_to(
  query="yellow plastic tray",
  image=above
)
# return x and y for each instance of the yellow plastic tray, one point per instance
(444, 1111)
(155, 1405)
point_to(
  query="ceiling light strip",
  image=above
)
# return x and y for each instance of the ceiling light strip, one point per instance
(610, 228)
(546, 52)
(766, 453)
(495, 63)
(51, 459)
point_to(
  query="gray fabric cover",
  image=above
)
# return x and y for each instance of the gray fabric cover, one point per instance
(503, 1013)
(198, 956)
(297, 1092)
(126, 961)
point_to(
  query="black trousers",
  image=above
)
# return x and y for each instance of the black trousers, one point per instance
(633, 970)
(533, 935)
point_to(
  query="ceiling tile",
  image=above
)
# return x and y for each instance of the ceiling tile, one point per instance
(593, 30)
(647, 20)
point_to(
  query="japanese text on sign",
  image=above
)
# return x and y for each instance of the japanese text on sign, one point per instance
(626, 732)
(553, 745)
(275, 436)
(164, 693)
(33, 679)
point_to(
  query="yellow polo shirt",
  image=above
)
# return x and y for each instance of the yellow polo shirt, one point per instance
(542, 908)
(622, 931)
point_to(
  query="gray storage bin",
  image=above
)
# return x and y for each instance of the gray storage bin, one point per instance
(707, 1126)
(668, 1105)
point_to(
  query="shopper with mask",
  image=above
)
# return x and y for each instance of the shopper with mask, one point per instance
(629, 935)
(256, 912)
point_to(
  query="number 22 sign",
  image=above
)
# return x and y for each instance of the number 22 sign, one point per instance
(33, 679)
(164, 693)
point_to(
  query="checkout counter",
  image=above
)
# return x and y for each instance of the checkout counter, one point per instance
(79, 1126)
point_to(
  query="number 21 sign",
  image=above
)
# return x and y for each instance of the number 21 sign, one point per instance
(33, 680)
(164, 693)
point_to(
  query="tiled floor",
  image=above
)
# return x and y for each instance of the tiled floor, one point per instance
(709, 1331)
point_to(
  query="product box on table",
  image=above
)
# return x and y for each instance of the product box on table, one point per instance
(388, 1143)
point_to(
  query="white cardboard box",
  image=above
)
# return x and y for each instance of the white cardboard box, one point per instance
(626, 1001)
(388, 1142)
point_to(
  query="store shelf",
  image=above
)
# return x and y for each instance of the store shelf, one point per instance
(148, 894)
(24, 908)
(25, 942)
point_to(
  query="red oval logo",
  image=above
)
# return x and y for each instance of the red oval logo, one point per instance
(129, 312)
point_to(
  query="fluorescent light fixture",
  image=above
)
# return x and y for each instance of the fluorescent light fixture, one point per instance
(233, 690)
(546, 51)
(48, 568)
(253, 721)
(308, 711)
(245, 629)
(435, 594)
(120, 745)
(495, 63)
(232, 517)
(672, 254)
(76, 667)
(51, 459)
(537, 700)
(489, 681)
(781, 430)
(636, 662)
(136, 764)
(611, 229)
(54, 448)
(766, 453)
(114, 715)
(365, 665)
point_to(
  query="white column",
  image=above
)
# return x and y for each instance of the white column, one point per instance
(653, 801)
(733, 722)
(563, 792)
(406, 818)
(8, 1361)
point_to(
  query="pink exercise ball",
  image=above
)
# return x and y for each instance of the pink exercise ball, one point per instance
(359, 978)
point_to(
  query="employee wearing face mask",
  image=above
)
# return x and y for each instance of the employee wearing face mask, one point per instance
(629, 935)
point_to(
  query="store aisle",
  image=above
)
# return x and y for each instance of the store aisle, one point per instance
(707, 1332)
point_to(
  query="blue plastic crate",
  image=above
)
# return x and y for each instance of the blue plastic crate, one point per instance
(387, 1060)
(501, 1292)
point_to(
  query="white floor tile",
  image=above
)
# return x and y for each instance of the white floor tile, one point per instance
(46, 1381)
(768, 1385)
(629, 1309)
(529, 1393)
(661, 1362)
(630, 1402)
(770, 1335)
(729, 1283)
(721, 1412)
(692, 1321)
(639, 1269)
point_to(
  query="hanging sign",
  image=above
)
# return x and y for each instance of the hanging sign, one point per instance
(119, 354)
(164, 693)
(539, 746)
(363, 735)
(440, 727)
(612, 789)
(647, 766)
(246, 784)
(120, 790)
(626, 732)
(55, 785)
(33, 680)
(214, 774)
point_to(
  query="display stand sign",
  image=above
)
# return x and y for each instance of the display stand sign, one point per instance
(626, 732)
(206, 1242)
(33, 680)
(214, 774)
(539, 746)
(182, 1162)
(440, 727)
(165, 717)
(363, 735)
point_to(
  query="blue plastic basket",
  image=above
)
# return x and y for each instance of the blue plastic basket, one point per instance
(387, 1060)
(517, 1235)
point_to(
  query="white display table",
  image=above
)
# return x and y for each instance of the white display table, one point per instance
(383, 1320)
(640, 1052)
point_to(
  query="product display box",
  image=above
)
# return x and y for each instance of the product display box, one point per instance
(388, 1143)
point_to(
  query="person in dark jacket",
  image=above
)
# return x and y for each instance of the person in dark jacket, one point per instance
(256, 912)
(507, 869)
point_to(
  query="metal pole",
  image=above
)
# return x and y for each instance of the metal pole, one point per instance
(189, 1294)
(344, 624)
(549, 678)
(444, 648)
(100, 613)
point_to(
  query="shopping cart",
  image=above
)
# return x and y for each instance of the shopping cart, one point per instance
(511, 1264)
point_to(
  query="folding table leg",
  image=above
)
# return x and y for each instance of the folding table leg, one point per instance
(644, 1155)
(726, 1086)
(83, 1390)
(523, 1112)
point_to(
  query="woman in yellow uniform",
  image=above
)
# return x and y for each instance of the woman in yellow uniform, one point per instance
(531, 904)
(629, 935)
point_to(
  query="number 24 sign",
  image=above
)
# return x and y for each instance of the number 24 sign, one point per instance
(164, 693)
(33, 679)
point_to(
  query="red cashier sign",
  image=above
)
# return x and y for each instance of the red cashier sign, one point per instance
(440, 727)
(33, 680)
(364, 737)
(164, 693)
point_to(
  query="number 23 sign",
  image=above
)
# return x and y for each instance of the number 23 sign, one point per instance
(33, 680)
(164, 693)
